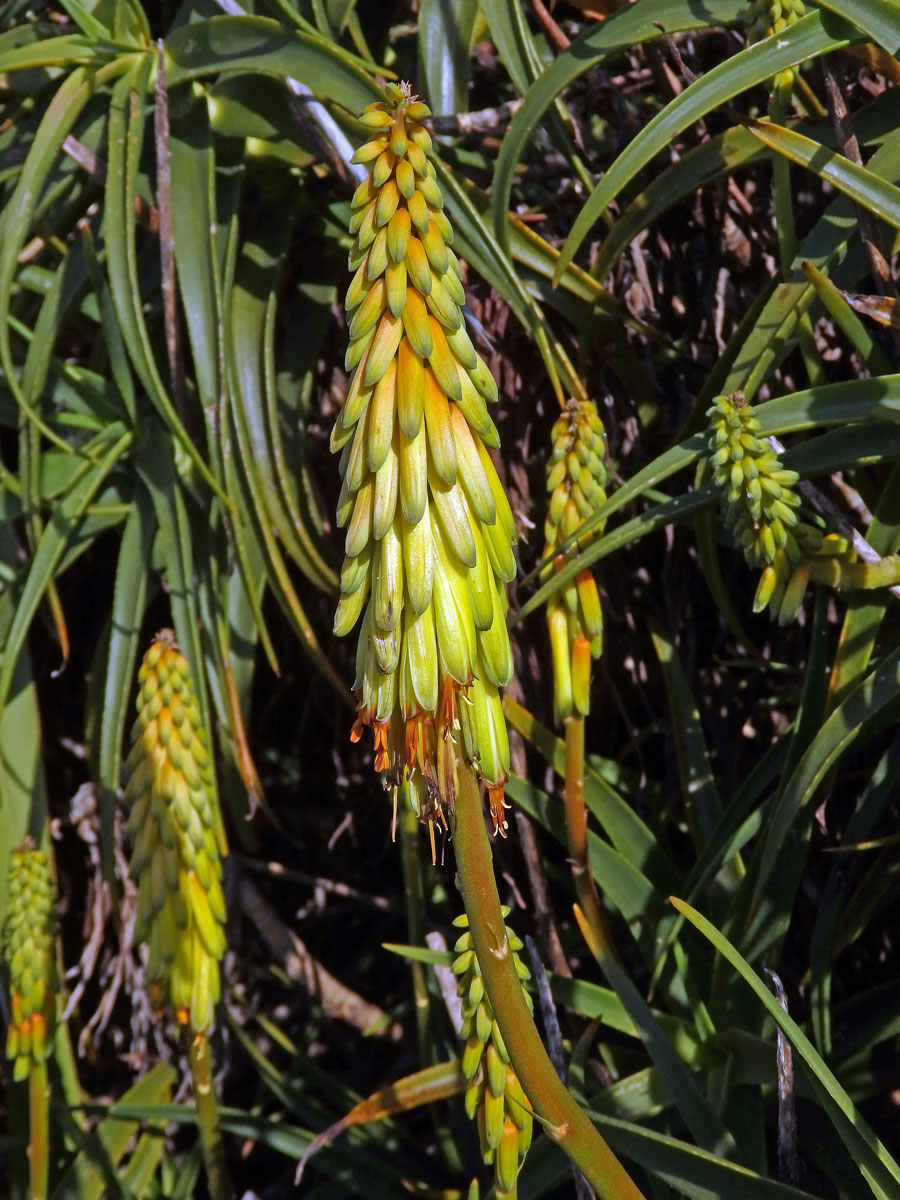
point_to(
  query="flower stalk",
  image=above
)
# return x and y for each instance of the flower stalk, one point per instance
(211, 1144)
(576, 481)
(591, 920)
(561, 1116)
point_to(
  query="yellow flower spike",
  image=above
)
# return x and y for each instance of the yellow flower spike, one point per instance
(494, 1098)
(576, 480)
(29, 951)
(178, 839)
(761, 508)
(429, 532)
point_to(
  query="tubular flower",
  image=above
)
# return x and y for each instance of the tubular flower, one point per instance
(29, 950)
(576, 481)
(176, 827)
(429, 530)
(764, 18)
(494, 1096)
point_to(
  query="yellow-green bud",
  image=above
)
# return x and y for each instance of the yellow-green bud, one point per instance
(29, 950)
(494, 1096)
(175, 825)
(576, 479)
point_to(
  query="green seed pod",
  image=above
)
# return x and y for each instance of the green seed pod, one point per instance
(179, 841)
(29, 950)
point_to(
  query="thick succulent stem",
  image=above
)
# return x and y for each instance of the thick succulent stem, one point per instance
(597, 932)
(39, 1140)
(559, 1112)
(211, 1144)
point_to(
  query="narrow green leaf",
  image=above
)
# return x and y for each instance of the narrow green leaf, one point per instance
(61, 115)
(808, 39)
(21, 53)
(859, 183)
(126, 617)
(864, 702)
(126, 131)
(193, 228)
(155, 466)
(628, 27)
(250, 362)
(705, 1126)
(258, 44)
(876, 1164)
(60, 528)
(880, 19)
(691, 1172)
(113, 1136)
(701, 165)
(445, 47)
(618, 819)
(624, 886)
(698, 784)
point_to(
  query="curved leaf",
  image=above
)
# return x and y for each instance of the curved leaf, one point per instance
(445, 44)
(880, 19)
(259, 44)
(812, 36)
(860, 184)
(630, 26)
(873, 1160)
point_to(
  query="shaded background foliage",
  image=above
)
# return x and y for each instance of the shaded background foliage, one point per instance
(139, 491)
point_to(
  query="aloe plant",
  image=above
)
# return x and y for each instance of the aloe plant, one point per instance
(677, 219)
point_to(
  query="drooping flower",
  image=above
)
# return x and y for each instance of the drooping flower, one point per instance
(576, 480)
(176, 827)
(429, 530)
(29, 950)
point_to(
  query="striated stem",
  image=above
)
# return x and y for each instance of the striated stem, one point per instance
(560, 1114)
(39, 1141)
(211, 1143)
(594, 926)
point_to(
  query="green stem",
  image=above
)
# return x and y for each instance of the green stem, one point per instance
(413, 889)
(786, 233)
(39, 1141)
(598, 935)
(211, 1143)
(784, 214)
(559, 1112)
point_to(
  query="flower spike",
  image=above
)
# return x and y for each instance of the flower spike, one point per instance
(429, 530)
(176, 828)
(576, 480)
(494, 1096)
(29, 950)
